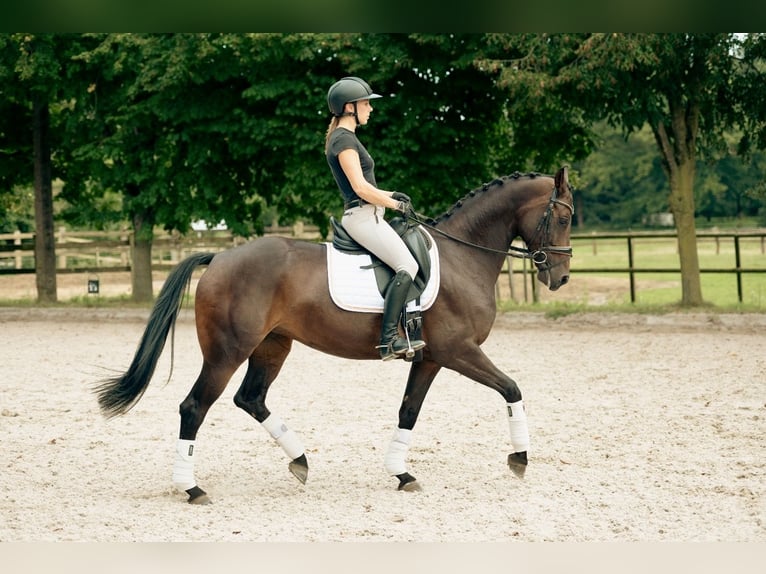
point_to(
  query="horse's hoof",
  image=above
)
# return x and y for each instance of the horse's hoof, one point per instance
(300, 468)
(408, 483)
(517, 462)
(198, 496)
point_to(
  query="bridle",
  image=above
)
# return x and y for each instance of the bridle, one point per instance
(538, 256)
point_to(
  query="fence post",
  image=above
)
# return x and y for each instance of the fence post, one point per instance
(738, 263)
(524, 277)
(60, 238)
(17, 254)
(125, 236)
(510, 278)
(630, 268)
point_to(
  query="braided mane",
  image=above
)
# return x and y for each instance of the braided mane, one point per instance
(498, 182)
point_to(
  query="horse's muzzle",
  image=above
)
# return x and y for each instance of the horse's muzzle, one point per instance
(550, 280)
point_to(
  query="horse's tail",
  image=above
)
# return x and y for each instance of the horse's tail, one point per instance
(118, 395)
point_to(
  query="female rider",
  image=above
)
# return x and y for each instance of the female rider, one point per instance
(364, 204)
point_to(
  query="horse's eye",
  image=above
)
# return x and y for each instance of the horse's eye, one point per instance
(563, 221)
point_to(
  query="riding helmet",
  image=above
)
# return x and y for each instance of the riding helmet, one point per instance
(348, 89)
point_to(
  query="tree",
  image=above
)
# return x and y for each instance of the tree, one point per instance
(623, 182)
(151, 123)
(690, 89)
(32, 79)
(740, 182)
(222, 126)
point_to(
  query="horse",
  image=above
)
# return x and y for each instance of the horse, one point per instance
(255, 299)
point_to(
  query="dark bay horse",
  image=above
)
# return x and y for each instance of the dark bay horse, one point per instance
(254, 300)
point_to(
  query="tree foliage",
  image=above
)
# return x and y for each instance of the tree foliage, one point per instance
(689, 89)
(220, 126)
(166, 129)
(34, 79)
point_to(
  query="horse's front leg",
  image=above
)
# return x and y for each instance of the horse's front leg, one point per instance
(474, 364)
(419, 381)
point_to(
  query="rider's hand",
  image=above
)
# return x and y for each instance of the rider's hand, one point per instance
(405, 207)
(399, 196)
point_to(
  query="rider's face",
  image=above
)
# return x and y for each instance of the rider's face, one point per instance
(363, 110)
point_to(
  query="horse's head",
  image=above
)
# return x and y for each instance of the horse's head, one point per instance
(546, 230)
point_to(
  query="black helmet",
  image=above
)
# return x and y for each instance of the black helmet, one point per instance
(348, 89)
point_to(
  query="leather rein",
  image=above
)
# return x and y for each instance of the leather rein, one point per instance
(539, 256)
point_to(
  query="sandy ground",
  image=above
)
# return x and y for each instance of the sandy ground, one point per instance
(644, 428)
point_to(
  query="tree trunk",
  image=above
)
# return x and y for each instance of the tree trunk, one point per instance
(579, 212)
(682, 206)
(45, 241)
(141, 255)
(677, 145)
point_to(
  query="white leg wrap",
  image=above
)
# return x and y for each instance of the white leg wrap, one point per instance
(517, 419)
(285, 437)
(183, 467)
(397, 452)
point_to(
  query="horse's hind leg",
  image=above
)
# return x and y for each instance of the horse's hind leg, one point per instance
(206, 390)
(263, 367)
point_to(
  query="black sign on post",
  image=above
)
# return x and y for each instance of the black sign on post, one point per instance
(93, 286)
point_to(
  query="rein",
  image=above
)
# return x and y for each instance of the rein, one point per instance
(538, 256)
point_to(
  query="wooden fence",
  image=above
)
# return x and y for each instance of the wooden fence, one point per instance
(103, 252)
(727, 248)
(710, 238)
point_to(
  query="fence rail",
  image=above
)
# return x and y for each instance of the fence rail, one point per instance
(602, 253)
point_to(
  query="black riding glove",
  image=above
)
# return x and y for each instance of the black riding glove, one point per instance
(399, 196)
(405, 207)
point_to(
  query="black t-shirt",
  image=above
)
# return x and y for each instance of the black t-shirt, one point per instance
(342, 139)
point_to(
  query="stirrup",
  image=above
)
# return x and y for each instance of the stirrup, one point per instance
(388, 351)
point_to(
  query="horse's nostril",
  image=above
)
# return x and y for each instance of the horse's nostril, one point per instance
(565, 279)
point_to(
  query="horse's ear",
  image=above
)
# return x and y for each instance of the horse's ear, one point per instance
(562, 177)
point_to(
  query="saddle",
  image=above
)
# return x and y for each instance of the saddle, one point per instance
(419, 244)
(416, 241)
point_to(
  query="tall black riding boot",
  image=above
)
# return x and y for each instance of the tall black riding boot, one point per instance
(392, 344)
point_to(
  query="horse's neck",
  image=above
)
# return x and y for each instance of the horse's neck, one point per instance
(488, 218)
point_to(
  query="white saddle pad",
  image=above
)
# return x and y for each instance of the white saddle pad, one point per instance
(354, 289)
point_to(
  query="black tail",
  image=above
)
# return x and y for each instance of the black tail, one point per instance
(117, 395)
